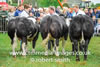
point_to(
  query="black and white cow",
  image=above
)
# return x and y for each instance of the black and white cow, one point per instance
(24, 29)
(54, 28)
(81, 31)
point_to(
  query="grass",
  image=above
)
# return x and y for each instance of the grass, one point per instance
(6, 60)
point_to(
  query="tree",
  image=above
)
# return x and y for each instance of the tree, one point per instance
(92, 5)
(14, 1)
(10, 1)
(47, 3)
(97, 5)
(66, 5)
(30, 2)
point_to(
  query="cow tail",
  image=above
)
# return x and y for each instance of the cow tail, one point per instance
(82, 40)
(82, 21)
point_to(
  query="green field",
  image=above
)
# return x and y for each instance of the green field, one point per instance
(6, 60)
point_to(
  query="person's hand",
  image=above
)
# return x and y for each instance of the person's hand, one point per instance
(3, 16)
(38, 19)
(94, 18)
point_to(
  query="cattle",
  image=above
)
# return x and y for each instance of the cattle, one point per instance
(80, 31)
(25, 30)
(53, 28)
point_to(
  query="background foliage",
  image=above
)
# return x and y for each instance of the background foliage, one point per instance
(46, 3)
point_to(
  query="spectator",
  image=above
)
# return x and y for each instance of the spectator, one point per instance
(94, 20)
(37, 13)
(64, 10)
(58, 10)
(98, 13)
(0, 8)
(11, 13)
(77, 11)
(97, 28)
(94, 16)
(52, 10)
(69, 14)
(46, 11)
(81, 9)
(86, 11)
(90, 13)
(94, 12)
(31, 14)
(19, 10)
(32, 10)
(4, 12)
(40, 18)
(41, 10)
(26, 10)
(3, 18)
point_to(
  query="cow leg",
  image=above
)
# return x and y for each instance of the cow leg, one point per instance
(26, 49)
(73, 49)
(45, 43)
(81, 47)
(46, 50)
(24, 42)
(52, 43)
(54, 46)
(14, 44)
(33, 46)
(76, 49)
(57, 47)
(73, 46)
(49, 45)
(85, 49)
(12, 41)
(34, 43)
(63, 45)
(20, 45)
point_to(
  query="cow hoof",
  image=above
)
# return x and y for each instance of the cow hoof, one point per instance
(77, 59)
(73, 53)
(26, 51)
(24, 56)
(85, 59)
(63, 52)
(57, 54)
(20, 49)
(53, 53)
(33, 51)
(14, 56)
(46, 53)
